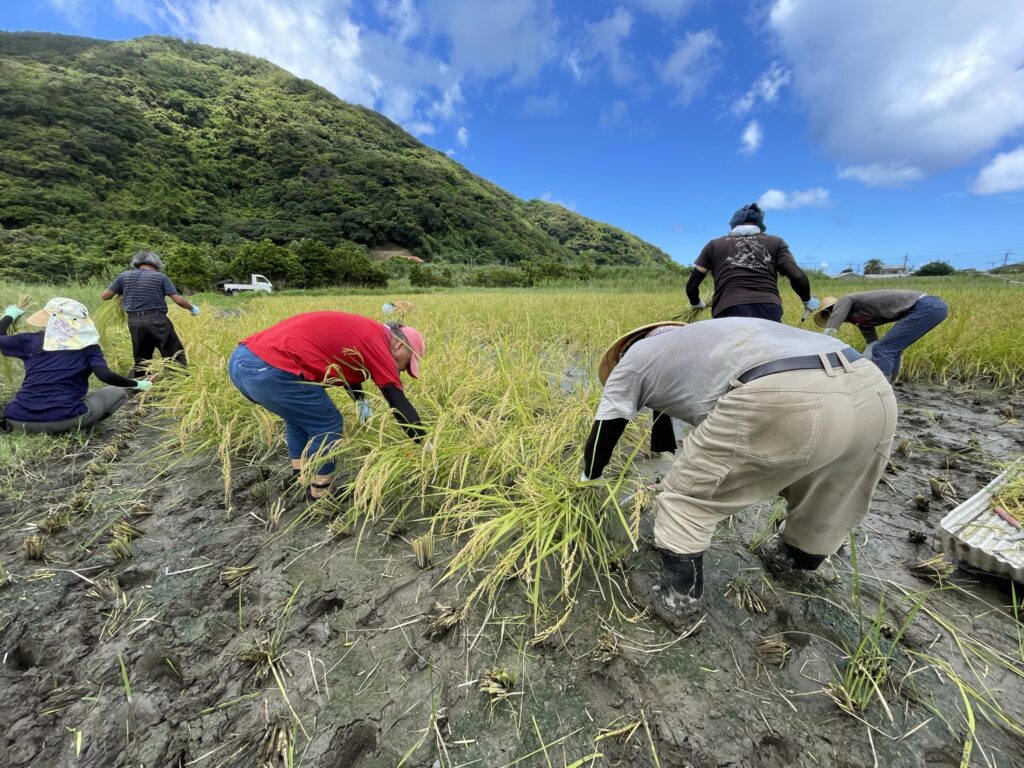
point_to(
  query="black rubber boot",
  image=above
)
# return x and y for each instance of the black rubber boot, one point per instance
(684, 573)
(800, 559)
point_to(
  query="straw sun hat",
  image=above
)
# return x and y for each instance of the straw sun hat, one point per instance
(619, 347)
(821, 316)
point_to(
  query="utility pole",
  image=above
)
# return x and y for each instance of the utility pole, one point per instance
(906, 257)
(1006, 258)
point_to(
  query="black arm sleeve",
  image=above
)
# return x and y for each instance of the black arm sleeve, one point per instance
(869, 333)
(603, 437)
(693, 285)
(797, 279)
(355, 391)
(663, 438)
(404, 412)
(5, 323)
(107, 376)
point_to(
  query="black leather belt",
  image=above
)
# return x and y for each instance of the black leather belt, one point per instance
(802, 363)
(144, 312)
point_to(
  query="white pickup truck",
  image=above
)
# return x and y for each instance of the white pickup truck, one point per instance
(256, 283)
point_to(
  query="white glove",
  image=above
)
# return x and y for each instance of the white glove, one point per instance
(363, 408)
(699, 305)
(812, 304)
(388, 308)
(830, 331)
(585, 479)
(195, 310)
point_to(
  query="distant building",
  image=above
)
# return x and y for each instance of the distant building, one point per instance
(890, 270)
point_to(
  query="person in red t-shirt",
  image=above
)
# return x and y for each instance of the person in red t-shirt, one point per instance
(286, 368)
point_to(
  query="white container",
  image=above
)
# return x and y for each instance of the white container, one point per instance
(979, 537)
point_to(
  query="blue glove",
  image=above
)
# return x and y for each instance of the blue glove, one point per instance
(830, 331)
(388, 308)
(363, 408)
(195, 310)
(14, 312)
(699, 305)
(143, 384)
(812, 304)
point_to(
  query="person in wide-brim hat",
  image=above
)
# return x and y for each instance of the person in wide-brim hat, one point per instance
(54, 396)
(822, 315)
(912, 313)
(619, 347)
(772, 407)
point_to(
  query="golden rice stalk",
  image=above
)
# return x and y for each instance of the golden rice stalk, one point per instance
(274, 512)
(35, 547)
(5, 577)
(498, 684)
(121, 549)
(98, 468)
(81, 502)
(24, 300)
(741, 593)
(937, 568)
(340, 527)
(442, 620)
(236, 575)
(277, 746)
(106, 590)
(423, 547)
(262, 493)
(55, 522)
(123, 529)
(774, 650)
(607, 649)
(903, 448)
(939, 487)
(108, 452)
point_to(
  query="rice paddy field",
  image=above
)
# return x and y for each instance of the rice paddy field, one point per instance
(165, 600)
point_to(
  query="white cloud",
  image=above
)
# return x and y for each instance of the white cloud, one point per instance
(602, 43)
(751, 138)
(882, 174)
(390, 69)
(776, 199)
(462, 136)
(1004, 174)
(667, 9)
(547, 198)
(543, 106)
(691, 65)
(915, 85)
(765, 89)
(616, 114)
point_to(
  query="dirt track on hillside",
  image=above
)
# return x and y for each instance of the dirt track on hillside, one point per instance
(365, 685)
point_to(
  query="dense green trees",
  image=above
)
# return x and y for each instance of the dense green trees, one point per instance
(225, 163)
(936, 269)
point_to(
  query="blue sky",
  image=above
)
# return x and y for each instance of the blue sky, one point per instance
(866, 128)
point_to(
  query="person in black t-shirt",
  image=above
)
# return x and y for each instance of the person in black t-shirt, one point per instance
(745, 265)
(143, 288)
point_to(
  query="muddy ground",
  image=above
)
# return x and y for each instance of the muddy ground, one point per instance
(359, 682)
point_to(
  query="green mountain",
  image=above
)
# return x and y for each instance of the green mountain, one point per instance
(106, 147)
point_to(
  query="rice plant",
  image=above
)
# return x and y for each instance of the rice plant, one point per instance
(937, 568)
(774, 651)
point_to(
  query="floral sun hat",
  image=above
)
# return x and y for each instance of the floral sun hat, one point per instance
(67, 325)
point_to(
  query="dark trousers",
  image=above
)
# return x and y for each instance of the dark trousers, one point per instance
(887, 354)
(99, 404)
(151, 332)
(765, 311)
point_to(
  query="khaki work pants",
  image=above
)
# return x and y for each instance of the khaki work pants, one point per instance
(819, 438)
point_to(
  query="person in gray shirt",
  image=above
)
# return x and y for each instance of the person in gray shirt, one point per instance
(775, 410)
(143, 288)
(914, 314)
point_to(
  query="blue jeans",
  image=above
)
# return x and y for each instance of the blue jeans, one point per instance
(765, 311)
(927, 313)
(311, 421)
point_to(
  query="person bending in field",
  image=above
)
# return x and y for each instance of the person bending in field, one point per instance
(59, 356)
(776, 410)
(287, 367)
(143, 288)
(745, 265)
(914, 314)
